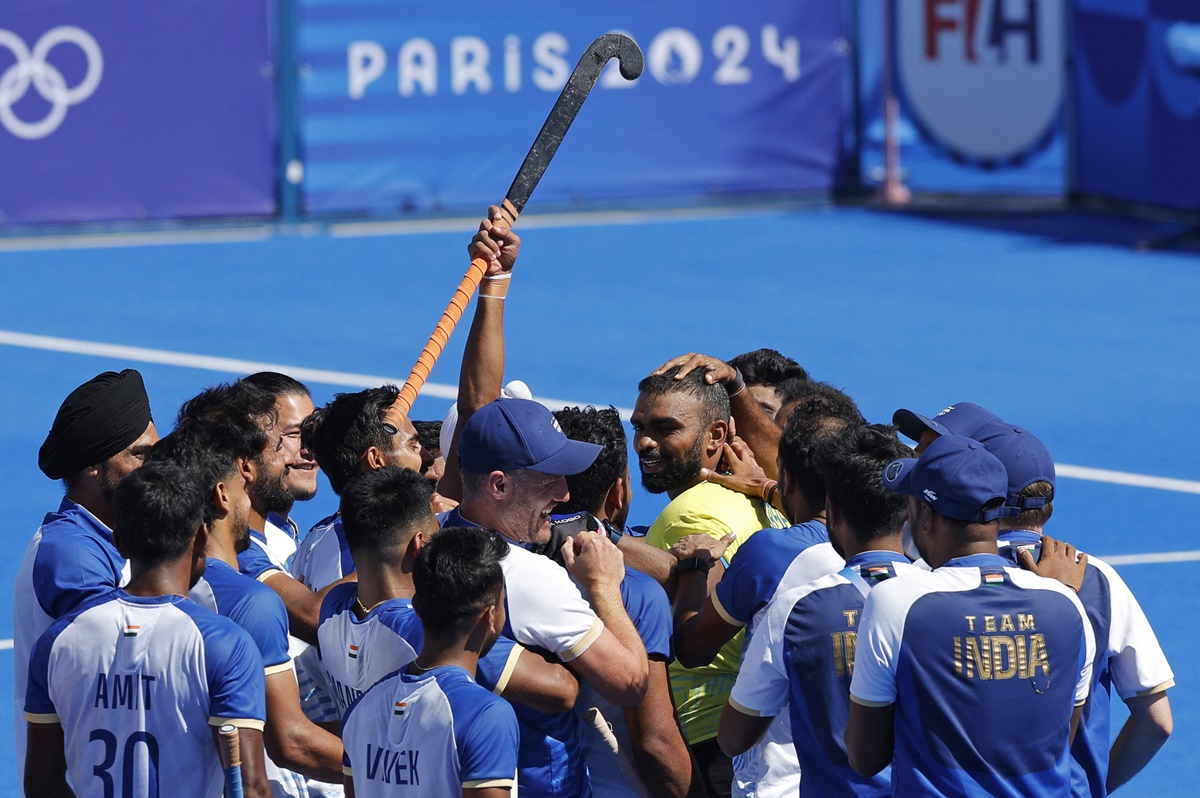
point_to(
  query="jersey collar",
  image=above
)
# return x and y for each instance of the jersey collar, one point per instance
(875, 558)
(978, 561)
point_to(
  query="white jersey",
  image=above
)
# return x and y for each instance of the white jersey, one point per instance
(136, 684)
(357, 653)
(323, 556)
(429, 735)
(70, 560)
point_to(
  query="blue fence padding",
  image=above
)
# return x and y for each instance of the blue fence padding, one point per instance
(153, 111)
(411, 105)
(1137, 93)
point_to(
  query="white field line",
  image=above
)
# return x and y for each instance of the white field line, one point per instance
(396, 227)
(156, 238)
(442, 391)
(228, 365)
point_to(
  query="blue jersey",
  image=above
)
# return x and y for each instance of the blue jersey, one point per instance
(767, 564)
(70, 560)
(251, 605)
(324, 555)
(799, 661)
(136, 684)
(1128, 657)
(650, 610)
(357, 653)
(428, 734)
(984, 664)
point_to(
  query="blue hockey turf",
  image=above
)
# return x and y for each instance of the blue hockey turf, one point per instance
(1053, 321)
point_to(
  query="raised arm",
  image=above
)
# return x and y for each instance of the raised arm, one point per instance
(482, 372)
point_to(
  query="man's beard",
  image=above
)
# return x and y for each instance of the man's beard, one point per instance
(270, 494)
(678, 471)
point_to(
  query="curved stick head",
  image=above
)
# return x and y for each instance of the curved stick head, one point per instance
(621, 47)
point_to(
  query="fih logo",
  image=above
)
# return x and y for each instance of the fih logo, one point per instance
(983, 78)
(33, 69)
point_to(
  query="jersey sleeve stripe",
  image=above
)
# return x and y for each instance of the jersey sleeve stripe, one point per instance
(510, 665)
(346, 771)
(280, 668)
(584, 642)
(481, 783)
(35, 718)
(1162, 688)
(725, 616)
(241, 723)
(754, 713)
(865, 703)
(270, 572)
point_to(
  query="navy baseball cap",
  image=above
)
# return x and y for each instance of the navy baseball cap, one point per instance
(956, 476)
(508, 434)
(962, 418)
(1024, 457)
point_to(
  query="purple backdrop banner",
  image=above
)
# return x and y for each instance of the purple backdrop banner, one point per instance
(135, 110)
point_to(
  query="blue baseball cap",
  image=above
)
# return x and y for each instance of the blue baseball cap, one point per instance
(508, 434)
(962, 418)
(956, 476)
(1024, 457)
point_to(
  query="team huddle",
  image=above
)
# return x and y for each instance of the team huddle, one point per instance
(820, 609)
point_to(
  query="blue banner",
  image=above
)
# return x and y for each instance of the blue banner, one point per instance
(135, 110)
(1138, 101)
(423, 106)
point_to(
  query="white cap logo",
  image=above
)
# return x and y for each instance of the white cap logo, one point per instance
(930, 495)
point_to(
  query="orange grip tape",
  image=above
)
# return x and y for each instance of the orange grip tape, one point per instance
(437, 342)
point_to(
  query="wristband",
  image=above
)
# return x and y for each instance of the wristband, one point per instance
(614, 534)
(737, 386)
(496, 287)
(693, 564)
(769, 488)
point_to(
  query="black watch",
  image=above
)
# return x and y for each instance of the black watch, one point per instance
(614, 534)
(693, 564)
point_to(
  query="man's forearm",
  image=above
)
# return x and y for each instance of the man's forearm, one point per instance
(1145, 731)
(609, 608)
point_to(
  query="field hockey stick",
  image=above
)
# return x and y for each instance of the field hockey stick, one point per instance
(587, 71)
(231, 760)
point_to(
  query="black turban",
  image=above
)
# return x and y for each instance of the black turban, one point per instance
(96, 421)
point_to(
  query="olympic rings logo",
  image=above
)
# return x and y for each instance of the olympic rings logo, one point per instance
(32, 69)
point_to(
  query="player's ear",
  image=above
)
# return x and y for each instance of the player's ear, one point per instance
(718, 435)
(372, 459)
(498, 484)
(248, 469)
(220, 498)
(614, 499)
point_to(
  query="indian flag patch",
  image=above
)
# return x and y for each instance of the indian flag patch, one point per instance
(131, 630)
(877, 572)
(993, 579)
(401, 709)
(353, 653)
